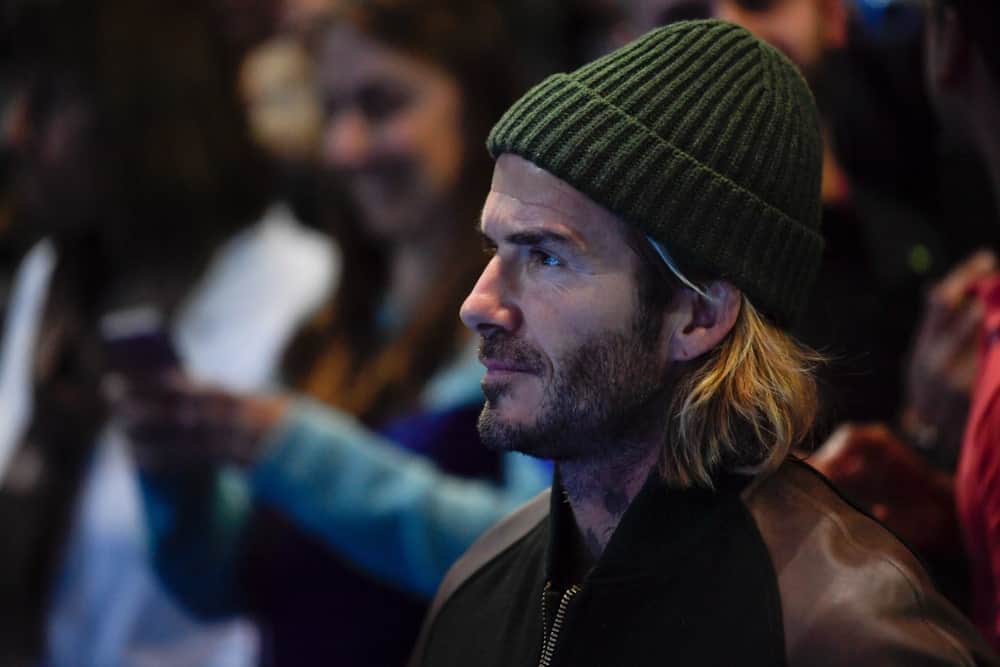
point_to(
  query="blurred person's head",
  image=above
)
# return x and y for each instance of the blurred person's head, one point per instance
(52, 129)
(175, 126)
(803, 29)
(609, 24)
(645, 15)
(134, 144)
(963, 68)
(409, 90)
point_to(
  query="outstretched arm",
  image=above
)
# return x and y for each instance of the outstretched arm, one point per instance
(389, 511)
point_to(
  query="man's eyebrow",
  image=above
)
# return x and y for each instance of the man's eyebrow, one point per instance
(539, 236)
(532, 237)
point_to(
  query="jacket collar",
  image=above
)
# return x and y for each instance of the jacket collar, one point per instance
(660, 531)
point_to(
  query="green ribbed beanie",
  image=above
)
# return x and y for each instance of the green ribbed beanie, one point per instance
(704, 137)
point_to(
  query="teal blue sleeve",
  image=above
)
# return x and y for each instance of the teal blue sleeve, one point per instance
(389, 511)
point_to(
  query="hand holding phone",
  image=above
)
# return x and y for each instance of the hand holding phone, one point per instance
(136, 342)
(174, 421)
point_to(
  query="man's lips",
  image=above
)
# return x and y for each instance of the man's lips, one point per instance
(501, 366)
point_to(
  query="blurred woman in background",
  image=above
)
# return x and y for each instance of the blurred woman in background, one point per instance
(349, 507)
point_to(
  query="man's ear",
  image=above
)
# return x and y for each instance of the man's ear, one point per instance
(703, 322)
(947, 52)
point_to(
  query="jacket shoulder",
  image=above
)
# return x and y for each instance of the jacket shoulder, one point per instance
(851, 592)
(495, 541)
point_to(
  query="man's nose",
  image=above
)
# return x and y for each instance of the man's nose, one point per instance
(347, 140)
(489, 305)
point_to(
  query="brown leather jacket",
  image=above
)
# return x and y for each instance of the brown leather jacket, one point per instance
(849, 592)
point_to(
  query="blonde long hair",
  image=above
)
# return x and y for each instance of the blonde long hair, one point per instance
(743, 406)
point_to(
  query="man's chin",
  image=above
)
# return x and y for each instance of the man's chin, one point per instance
(498, 432)
(502, 434)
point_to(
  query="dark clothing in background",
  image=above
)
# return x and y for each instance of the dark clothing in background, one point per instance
(865, 305)
(914, 208)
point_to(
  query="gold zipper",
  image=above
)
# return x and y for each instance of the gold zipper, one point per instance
(549, 643)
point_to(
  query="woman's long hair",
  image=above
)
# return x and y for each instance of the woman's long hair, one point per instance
(340, 358)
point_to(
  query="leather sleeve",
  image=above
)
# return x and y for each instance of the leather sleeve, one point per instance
(851, 593)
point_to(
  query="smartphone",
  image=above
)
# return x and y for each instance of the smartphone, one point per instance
(136, 341)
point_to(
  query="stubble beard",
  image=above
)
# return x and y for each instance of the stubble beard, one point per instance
(605, 404)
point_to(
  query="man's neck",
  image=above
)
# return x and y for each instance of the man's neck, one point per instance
(599, 492)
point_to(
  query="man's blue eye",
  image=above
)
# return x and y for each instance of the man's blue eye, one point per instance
(545, 259)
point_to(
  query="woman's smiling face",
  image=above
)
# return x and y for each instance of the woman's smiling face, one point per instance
(393, 131)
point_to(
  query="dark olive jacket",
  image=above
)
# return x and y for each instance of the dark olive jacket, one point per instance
(781, 571)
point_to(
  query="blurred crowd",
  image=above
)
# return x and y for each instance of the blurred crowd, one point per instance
(237, 407)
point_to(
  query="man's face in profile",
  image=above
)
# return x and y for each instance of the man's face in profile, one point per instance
(572, 356)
